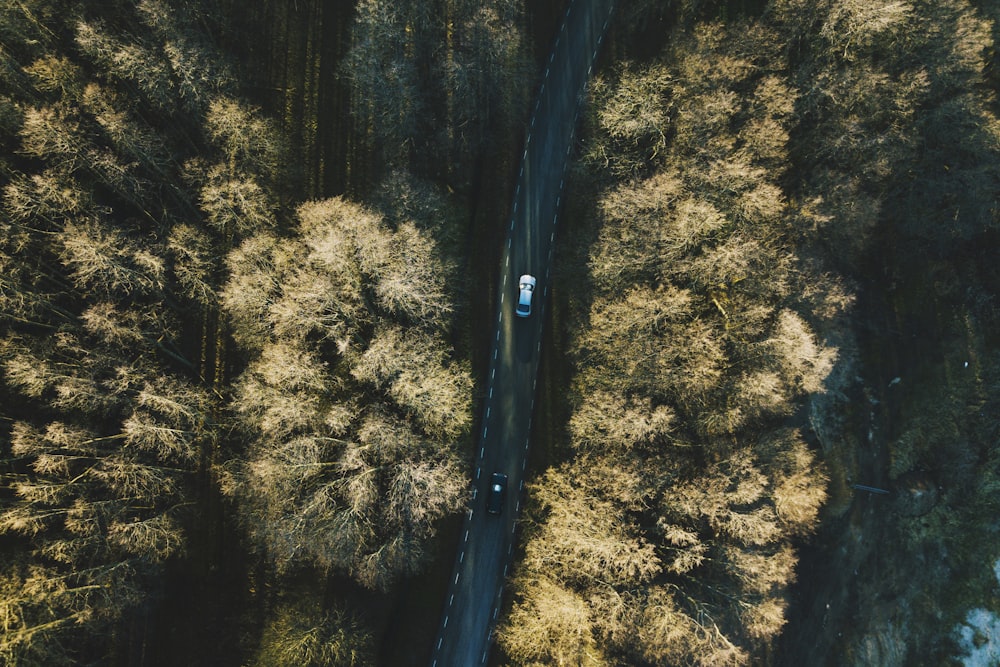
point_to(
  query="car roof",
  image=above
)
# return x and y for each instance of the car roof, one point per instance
(526, 279)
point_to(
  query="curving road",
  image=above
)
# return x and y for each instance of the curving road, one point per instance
(486, 543)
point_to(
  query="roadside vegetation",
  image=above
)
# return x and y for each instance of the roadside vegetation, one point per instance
(203, 338)
(667, 536)
(781, 300)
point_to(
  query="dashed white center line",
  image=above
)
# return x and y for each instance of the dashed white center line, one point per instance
(555, 220)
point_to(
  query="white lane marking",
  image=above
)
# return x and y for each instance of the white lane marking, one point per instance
(466, 535)
(478, 471)
(446, 621)
(508, 260)
(523, 463)
(457, 575)
(552, 237)
(505, 569)
(495, 609)
(520, 488)
(482, 452)
(493, 375)
(461, 557)
(508, 244)
(439, 643)
(494, 354)
(491, 396)
(501, 301)
(451, 599)
(546, 74)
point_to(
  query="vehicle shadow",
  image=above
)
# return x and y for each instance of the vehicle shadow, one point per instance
(524, 344)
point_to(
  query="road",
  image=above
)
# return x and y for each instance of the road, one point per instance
(486, 542)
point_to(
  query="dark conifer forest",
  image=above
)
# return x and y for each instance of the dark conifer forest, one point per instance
(248, 270)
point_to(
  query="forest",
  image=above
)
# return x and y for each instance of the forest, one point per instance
(237, 420)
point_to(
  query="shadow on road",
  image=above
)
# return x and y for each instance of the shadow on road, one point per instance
(525, 340)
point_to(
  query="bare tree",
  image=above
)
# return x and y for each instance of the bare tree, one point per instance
(306, 635)
(353, 420)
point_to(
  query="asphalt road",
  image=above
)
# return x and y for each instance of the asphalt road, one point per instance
(470, 611)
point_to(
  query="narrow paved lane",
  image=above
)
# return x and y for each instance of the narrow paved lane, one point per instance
(470, 611)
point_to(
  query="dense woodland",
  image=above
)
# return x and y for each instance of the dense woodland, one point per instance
(235, 417)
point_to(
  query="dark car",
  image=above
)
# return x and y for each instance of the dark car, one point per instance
(498, 488)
